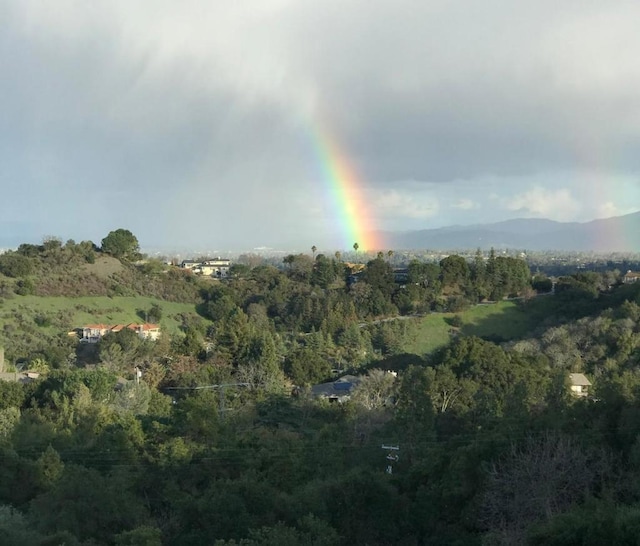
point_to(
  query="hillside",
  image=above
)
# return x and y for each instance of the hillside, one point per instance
(316, 403)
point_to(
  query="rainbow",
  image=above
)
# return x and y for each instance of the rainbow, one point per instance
(346, 193)
(600, 183)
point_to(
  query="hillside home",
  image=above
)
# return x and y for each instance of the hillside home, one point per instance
(218, 267)
(579, 384)
(92, 333)
(630, 277)
(189, 264)
(336, 391)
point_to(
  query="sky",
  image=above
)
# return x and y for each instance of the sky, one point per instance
(197, 123)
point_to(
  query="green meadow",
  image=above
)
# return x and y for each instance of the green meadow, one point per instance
(500, 321)
(75, 312)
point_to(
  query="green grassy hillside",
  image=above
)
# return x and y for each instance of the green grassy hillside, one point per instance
(68, 313)
(504, 320)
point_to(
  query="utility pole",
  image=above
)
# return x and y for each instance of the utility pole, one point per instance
(393, 455)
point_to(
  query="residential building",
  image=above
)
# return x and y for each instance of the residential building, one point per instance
(92, 333)
(189, 264)
(218, 267)
(339, 390)
(579, 384)
(630, 277)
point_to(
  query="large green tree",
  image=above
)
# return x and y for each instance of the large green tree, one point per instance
(121, 243)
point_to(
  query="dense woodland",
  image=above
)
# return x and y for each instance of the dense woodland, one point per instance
(221, 442)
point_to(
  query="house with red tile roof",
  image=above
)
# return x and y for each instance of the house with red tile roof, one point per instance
(92, 333)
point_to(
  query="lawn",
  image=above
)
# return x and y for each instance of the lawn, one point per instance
(501, 321)
(87, 310)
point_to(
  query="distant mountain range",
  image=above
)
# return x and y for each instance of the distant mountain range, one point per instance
(618, 234)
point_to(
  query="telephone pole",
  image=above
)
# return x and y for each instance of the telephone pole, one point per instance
(393, 455)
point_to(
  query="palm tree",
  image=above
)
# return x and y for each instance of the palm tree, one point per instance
(356, 246)
(313, 249)
(389, 254)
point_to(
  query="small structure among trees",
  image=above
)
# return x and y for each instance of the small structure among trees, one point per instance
(579, 384)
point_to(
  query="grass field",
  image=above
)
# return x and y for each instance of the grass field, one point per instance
(505, 320)
(86, 310)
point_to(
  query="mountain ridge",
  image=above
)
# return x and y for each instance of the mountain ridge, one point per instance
(615, 234)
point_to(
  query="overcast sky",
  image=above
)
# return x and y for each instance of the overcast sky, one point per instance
(192, 122)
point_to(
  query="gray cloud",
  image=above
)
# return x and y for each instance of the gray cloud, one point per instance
(195, 121)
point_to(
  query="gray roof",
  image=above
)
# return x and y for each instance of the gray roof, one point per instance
(339, 388)
(579, 380)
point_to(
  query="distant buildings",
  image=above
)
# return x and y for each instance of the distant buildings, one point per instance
(218, 267)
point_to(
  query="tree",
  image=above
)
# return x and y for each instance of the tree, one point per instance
(155, 313)
(356, 246)
(314, 248)
(323, 271)
(375, 389)
(537, 480)
(13, 264)
(121, 243)
(454, 271)
(379, 275)
(306, 367)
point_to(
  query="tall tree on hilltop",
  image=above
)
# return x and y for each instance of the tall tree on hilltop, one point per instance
(121, 243)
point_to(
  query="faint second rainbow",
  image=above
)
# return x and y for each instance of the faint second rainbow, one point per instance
(348, 200)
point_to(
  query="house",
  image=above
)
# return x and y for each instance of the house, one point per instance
(339, 390)
(579, 384)
(218, 267)
(147, 331)
(401, 275)
(630, 277)
(189, 264)
(92, 333)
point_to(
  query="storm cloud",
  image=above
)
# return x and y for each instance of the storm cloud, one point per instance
(193, 123)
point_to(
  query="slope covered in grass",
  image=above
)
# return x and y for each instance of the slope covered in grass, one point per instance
(502, 321)
(68, 313)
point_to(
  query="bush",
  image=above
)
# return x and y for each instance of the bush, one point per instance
(42, 320)
(455, 321)
(15, 265)
(25, 287)
(455, 304)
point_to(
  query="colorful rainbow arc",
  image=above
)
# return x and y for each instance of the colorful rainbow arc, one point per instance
(347, 194)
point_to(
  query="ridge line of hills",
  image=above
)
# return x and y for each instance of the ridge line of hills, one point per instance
(615, 234)
(619, 233)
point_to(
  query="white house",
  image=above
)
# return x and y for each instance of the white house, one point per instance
(579, 384)
(218, 267)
